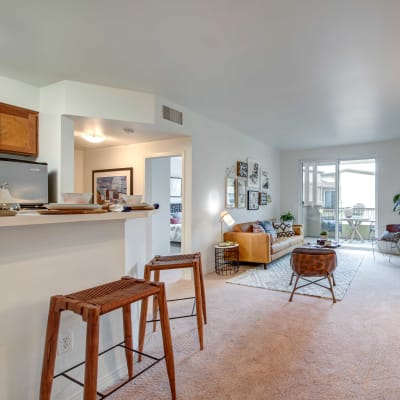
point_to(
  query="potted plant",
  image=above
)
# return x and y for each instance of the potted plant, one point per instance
(323, 235)
(287, 217)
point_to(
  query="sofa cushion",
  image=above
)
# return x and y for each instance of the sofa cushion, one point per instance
(284, 229)
(284, 243)
(269, 228)
(280, 244)
(243, 227)
(257, 228)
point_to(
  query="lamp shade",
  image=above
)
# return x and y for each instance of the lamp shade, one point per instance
(227, 218)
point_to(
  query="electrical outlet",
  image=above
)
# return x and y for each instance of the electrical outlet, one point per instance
(65, 342)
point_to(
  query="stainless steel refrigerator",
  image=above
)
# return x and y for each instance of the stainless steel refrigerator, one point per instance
(27, 181)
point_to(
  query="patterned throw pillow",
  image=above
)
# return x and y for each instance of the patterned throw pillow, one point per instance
(284, 229)
(257, 228)
(269, 228)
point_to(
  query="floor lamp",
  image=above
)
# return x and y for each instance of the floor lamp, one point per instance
(225, 217)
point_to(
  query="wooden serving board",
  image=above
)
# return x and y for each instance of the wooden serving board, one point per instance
(142, 207)
(63, 212)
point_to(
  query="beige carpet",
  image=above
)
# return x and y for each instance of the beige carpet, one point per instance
(260, 346)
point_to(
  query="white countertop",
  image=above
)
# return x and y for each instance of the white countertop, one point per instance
(33, 218)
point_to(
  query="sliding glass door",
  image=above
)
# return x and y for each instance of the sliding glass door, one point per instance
(320, 198)
(338, 197)
(357, 199)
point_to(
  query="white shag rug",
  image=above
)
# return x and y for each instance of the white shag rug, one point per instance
(278, 273)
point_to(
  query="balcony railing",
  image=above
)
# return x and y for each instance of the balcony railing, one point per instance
(365, 218)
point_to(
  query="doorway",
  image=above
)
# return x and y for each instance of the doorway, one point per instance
(338, 197)
(164, 184)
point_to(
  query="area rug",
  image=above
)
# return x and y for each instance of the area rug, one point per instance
(277, 276)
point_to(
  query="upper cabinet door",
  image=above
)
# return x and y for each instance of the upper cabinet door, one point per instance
(18, 130)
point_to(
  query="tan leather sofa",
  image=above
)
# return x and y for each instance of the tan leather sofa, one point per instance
(259, 247)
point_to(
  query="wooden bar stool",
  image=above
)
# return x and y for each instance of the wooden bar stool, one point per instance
(161, 263)
(91, 304)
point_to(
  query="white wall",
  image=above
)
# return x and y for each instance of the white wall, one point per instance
(216, 148)
(19, 94)
(387, 181)
(78, 171)
(90, 100)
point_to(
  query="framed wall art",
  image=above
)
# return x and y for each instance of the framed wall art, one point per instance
(241, 192)
(110, 184)
(252, 199)
(253, 177)
(241, 169)
(264, 184)
(263, 199)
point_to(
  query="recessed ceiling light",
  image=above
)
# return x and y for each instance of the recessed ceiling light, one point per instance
(93, 137)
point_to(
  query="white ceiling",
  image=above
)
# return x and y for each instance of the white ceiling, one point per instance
(117, 133)
(293, 73)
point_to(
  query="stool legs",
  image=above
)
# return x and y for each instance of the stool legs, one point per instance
(50, 351)
(143, 315)
(142, 325)
(126, 311)
(294, 288)
(291, 279)
(155, 300)
(167, 341)
(199, 311)
(330, 285)
(92, 350)
(199, 300)
(203, 292)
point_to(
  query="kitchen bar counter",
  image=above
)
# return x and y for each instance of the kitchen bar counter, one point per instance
(45, 255)
(33, 218)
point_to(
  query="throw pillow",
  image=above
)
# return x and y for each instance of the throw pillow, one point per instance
(284, 229)
(257, 228)
(269, 228)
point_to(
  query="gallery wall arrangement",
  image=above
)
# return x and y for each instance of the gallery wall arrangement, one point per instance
(247, 185)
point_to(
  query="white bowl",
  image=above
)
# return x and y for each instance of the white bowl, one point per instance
(133, 200)
(77, 198)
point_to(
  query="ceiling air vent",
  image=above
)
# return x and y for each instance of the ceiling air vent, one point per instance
(172, 115)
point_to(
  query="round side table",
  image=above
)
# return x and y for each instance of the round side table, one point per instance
(226, 259)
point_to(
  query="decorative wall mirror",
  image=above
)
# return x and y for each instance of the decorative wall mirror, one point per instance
(230, 192)
(241, 192)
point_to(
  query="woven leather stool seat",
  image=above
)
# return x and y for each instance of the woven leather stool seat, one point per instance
(91, 304)
(161, 263)
(313, 262)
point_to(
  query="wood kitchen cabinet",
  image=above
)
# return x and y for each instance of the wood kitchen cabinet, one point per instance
(18, 130)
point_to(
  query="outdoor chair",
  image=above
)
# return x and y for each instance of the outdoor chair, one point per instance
(310, 262)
